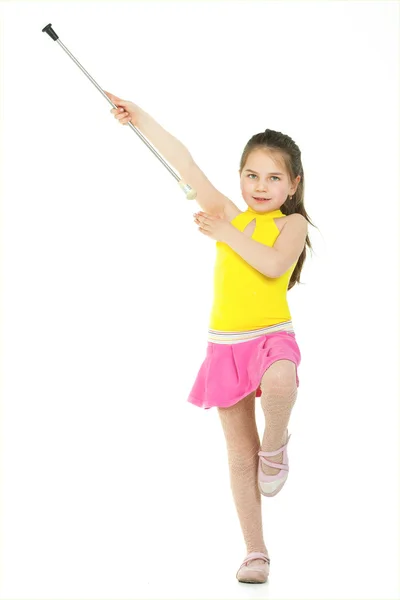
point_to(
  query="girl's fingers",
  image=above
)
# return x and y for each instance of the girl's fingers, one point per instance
(201, 222)
(119, 113)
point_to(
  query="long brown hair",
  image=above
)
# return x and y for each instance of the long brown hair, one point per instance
(282, 147)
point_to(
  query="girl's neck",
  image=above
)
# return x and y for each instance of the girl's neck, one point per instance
(272, 213)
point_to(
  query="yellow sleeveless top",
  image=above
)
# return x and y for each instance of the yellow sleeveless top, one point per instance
(244, 298)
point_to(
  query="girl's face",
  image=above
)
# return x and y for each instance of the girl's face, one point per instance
(262, 177)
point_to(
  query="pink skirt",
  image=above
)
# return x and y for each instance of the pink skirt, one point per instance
(232, 371)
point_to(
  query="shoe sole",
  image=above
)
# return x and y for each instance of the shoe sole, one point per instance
(253, 579)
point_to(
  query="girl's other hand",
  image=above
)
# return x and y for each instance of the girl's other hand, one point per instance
(126, 111)
(214, 226)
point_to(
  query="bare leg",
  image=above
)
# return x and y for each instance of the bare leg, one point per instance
(243, 444)
(279, 392)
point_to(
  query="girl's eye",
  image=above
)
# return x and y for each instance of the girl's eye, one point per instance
(274, 176)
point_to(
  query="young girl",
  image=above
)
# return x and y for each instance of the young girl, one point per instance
(252, 348)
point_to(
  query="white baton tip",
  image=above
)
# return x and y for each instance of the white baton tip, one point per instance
(191, 195)
(189, 192)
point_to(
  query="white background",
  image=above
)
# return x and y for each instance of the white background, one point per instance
(112, 484)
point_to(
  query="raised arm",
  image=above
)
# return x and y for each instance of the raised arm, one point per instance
(177, 155)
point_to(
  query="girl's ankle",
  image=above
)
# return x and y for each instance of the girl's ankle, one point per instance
(264, 551)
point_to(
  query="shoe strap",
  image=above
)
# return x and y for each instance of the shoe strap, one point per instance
(281, 466)
(253, 556)
(275, 452)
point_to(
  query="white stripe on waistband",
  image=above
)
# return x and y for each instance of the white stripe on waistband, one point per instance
(235, 337)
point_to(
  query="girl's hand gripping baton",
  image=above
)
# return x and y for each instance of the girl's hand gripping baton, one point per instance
(189, 192)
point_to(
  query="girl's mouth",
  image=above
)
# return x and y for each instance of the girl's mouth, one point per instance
(261, 199)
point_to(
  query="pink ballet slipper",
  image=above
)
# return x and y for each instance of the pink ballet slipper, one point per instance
(253, 573)
(270, 485)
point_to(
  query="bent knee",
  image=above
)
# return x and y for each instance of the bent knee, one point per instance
(280, 375)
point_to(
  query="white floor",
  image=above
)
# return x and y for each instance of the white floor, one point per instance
(83, 520)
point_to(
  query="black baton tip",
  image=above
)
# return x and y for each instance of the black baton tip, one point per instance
(48, 29)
